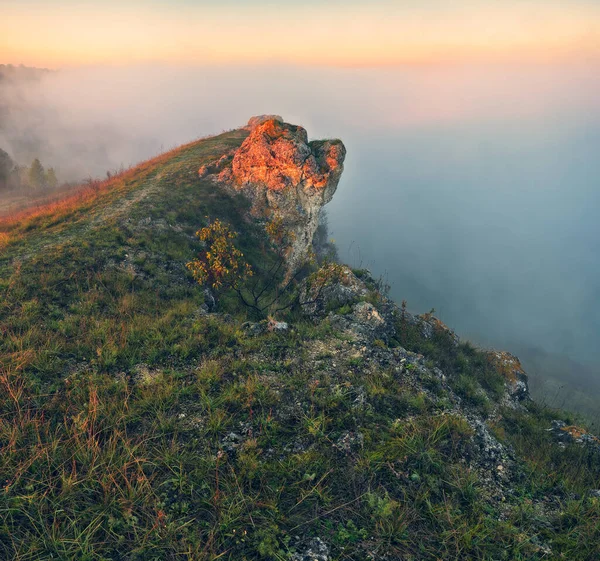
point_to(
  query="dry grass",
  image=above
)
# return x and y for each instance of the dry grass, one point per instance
(62, 204)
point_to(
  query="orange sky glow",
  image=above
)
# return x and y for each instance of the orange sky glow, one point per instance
(64, 33)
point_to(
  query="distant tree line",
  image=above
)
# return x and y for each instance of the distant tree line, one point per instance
(14, 73)
(23, 178)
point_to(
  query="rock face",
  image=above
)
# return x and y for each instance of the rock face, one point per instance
(286, 177)
(279, 157)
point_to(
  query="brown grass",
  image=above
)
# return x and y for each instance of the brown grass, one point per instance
(64, 203)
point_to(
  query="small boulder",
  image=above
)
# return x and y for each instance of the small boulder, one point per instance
(277, 326)
(314, 549)
(347, 290)
(514, 375)
(573, 434)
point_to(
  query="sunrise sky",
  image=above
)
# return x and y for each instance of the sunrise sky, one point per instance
(59, 33)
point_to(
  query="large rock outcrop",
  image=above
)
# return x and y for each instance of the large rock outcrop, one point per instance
(277, 156)
(285, 176)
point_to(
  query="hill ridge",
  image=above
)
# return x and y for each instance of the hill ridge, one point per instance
(143, 416)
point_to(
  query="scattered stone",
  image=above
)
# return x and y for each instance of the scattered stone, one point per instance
(256, 329)
(572, 434)
(277, 326)
(210, 303)
(349, 442)
(143, 374)
(490, 453)
(314, 549)
(231, 442)
(360, 400)
(266, 326)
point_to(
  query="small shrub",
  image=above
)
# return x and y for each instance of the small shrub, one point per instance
(221, 264)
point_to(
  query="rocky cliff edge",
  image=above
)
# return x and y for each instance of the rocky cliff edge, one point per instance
(285, 176)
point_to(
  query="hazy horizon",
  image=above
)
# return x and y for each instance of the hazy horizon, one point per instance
(58, 33)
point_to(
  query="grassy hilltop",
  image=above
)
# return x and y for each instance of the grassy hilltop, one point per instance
(135, 426)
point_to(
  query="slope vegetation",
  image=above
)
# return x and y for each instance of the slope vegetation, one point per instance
(138, 424)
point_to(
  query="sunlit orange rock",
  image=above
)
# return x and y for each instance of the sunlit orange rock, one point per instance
(278, 155)
(285, 176)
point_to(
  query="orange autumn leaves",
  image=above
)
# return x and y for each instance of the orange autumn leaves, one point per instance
(221, 264)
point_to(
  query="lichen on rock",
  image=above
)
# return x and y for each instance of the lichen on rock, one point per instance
(573, 434)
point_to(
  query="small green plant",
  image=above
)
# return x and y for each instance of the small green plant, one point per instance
(349, 533)
(345, 310)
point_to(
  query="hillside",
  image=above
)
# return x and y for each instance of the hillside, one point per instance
(145, 417)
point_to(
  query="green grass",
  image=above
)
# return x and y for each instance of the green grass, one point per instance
(134, 428)
(471, 372)
(103, 467)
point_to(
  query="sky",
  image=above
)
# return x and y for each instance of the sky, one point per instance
(62, 33)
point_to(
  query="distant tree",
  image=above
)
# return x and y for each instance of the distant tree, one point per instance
(6, 167)
(37, 175)
(15, 179)
(22, 176)
(51, 179)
